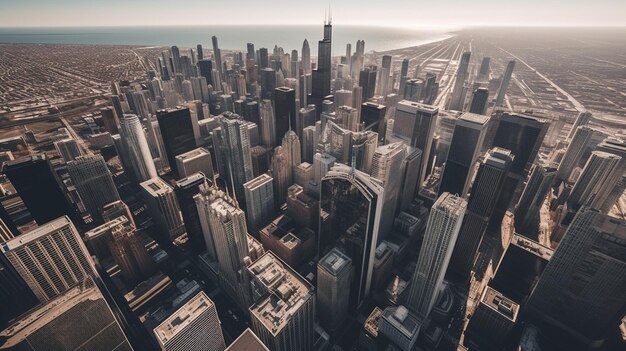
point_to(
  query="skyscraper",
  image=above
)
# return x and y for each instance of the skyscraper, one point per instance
(235, 146)
(51, 258)
(68, 149)
(109, 119)
(523, 135)
(416, 123)
(205, 67)
(94, 183)
(400, 326)
(39, 187)
(373, 116)
(410, 176)
(506, 80)
(580, 141)
(492, 322)
(290, 326)
(130, 254)
(457, 98)
(350, 216)
(217, 56)
(285, 109)
(282, 174)
(480, 101)
(267, 123)
(196, 160)
(582, 120)
(333, 288)
(78, 318)
(291, 144)
(185, 189)
(581, 292)
(387, 160)
(175, 53)
(116, 209)
(228, 232)
(611, 194)
(367, 80)
(15, 295)
(306, 57)
(467, 141)
(321, 74)
(268, 83)
(444, 223)
(163, 208)
(259, 201)
(404, 74)
(534, 194)
(177, 131)
(483, 71)
(247, 341)
(485, 192)
(194, 327)
(135, 148)
(599, 171)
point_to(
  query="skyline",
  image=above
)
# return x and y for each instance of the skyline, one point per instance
(451, 14)
(310, 187)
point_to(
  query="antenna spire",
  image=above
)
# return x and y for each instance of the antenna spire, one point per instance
(330, 14)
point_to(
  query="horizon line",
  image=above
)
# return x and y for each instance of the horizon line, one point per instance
(399, 26)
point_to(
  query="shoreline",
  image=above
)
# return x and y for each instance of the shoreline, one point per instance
(445, 37)
(232, 38)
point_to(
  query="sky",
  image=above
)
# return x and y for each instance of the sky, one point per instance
(400, 13)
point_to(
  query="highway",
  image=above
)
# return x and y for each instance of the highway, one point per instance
(577, 105)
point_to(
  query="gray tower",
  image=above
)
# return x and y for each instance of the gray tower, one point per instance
(333, 288)
(94, 183)
(442, 229)
(581, 291)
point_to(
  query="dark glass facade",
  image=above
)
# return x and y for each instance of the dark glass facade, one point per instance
(177, 132)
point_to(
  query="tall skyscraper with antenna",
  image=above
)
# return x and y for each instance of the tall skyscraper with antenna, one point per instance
(217, 55)
(321, 74)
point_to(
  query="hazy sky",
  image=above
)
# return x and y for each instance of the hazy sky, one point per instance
(414, 13)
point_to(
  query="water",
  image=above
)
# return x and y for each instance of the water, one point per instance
(230, 37)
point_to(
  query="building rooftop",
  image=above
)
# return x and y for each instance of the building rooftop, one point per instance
(497, 157)
(286, 292)
(474, 118)
(184, 316)
(106, 227)
(35, 234)
(451, 204)
(500, 303)
(374, 105)
(43, 314)
(193, 154)
(527, 119)
(416, 106)
(403, 320)
(285, 89)
(24, 160)
(532, 247)
(258, 181)
(156, 186)
(335, 261)
(371, 323)
(247, 341)
(305, 166)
